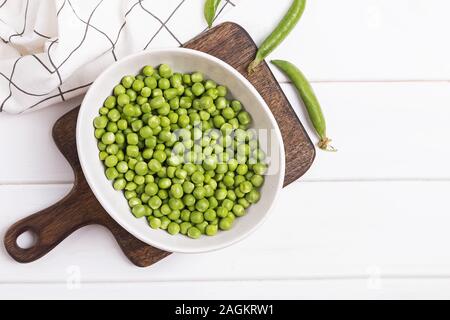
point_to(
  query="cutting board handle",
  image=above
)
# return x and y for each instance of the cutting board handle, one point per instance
(49, 227)
(52, 225)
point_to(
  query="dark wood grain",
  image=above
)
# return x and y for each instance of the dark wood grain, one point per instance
(80, 208)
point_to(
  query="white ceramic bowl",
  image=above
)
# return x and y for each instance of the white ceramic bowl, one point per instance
(181, 60)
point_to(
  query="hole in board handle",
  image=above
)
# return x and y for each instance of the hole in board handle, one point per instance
(27, 239)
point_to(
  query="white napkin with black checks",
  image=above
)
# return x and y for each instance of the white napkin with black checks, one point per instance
(52, 50)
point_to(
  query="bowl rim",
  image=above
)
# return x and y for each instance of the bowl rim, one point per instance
(109, 208)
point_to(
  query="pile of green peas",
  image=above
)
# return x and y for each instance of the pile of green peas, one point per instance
(181, 152)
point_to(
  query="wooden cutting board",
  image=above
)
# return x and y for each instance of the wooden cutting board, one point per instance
(80, 208)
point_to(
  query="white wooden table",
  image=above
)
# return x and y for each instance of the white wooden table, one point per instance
(371, 221)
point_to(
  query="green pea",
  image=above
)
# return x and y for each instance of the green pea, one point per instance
(163, 194)
(98, 133)
(257, 180)
(131, 186)
(120, 138)
(108, 138)
(259, 168)
(189, 200)
(148, 71)
(110, 102)
(164, 84)
(222, 212)
(222, 91)
(137, 125)
(197, 77)
(199, 192)
(244, 202)
(102, 155)
(154, 202)
(239, 193)
(188, 187)
(194, 233)
(131, 164)
(119, 89)
(253, 196)
(209, 191)
(198, 89)
(141, 168)
(132, 139)
(164, 183)
(244, 118)
(151, 82)
(168, 93)
(119, 184)
(185, 102)
(225, 223)
(111, 161)
(236, 106)
(157, 92)
(112, 149)
(173, 228)
(165, 209)
(111, 173)
(202, 226)
(246, 186)
(309, 98)
(238, 210)
(132, 151)
(211, 230)
(157, 102)
(218, 121)
(187, 79)
(127, 81)
(165, 71)
(155, 223)
(176, 204)
(228, 113)
(202, 205)
(197, 177)
(210, 215)
(111, 127)
(123, 99)
(138, 85)
(197, 217)
(154, 165)
(174, 215)
(184, 227)
(139, 211)
(176, 191)
(151, 189)
(185, 215)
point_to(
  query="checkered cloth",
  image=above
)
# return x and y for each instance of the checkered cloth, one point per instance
(52, 50)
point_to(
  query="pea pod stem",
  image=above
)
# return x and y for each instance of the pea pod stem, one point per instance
(309, 99)
(286, 25)
(210, 10)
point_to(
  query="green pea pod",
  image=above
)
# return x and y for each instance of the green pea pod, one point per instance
(309, 99)
(210, 11)
(277, 36)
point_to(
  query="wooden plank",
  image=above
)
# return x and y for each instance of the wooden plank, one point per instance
(341, 229)
(383, 131)
(32, 156)
(358, 39)
(366, 288)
